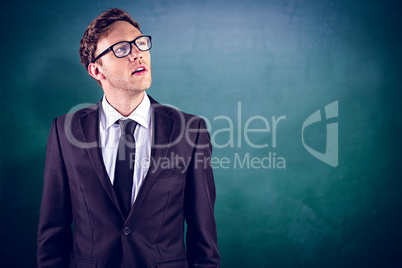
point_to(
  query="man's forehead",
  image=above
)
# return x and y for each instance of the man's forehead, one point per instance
(122, 28)
(118, 31)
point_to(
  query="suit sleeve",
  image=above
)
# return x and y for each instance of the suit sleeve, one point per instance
(54, 232)
(201, 239)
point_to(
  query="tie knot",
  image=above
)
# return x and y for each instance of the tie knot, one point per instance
(127, 126)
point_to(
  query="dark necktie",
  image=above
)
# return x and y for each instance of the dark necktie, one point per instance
(125, 161)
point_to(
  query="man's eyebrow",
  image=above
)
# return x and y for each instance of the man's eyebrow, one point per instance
(130, 40)
(137, 37)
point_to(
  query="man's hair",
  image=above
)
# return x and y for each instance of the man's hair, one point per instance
(98, 29)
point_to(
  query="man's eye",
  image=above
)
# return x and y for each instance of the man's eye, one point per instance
(121, 49)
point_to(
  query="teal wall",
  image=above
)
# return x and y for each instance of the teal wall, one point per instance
(238, 64)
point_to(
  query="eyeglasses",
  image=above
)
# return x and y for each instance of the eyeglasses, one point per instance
(123, 49)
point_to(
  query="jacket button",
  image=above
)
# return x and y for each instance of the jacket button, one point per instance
(126, 231)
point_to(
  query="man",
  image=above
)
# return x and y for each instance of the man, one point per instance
(126, 172)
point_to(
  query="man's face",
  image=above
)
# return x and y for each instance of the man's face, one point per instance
(121, 74)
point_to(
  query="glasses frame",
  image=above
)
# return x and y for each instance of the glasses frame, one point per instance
(130, 42)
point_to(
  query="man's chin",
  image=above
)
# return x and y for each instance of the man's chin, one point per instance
(144, 86)
(140, 89)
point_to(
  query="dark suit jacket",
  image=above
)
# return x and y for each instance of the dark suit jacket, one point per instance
(77, 189)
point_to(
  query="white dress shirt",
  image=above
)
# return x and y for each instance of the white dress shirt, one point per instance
(109, 134)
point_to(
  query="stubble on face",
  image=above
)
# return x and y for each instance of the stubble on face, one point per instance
(127, 84)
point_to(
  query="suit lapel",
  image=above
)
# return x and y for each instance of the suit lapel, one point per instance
(90, 127)
(163, 127)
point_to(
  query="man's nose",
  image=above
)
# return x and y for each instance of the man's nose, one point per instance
(135, 53)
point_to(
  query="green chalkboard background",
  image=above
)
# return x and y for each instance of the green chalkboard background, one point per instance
(243, 66)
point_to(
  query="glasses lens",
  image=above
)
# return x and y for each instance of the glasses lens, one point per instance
(122, 49)
(143, 43)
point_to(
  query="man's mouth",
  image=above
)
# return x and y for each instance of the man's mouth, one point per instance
(139, 71)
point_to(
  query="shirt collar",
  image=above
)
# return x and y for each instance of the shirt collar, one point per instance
(141, 114)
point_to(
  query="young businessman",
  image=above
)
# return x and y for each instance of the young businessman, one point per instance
(122, 176)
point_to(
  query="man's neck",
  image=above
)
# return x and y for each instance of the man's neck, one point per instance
(125, 105)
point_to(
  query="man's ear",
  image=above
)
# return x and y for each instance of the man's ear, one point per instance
(95, 71)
